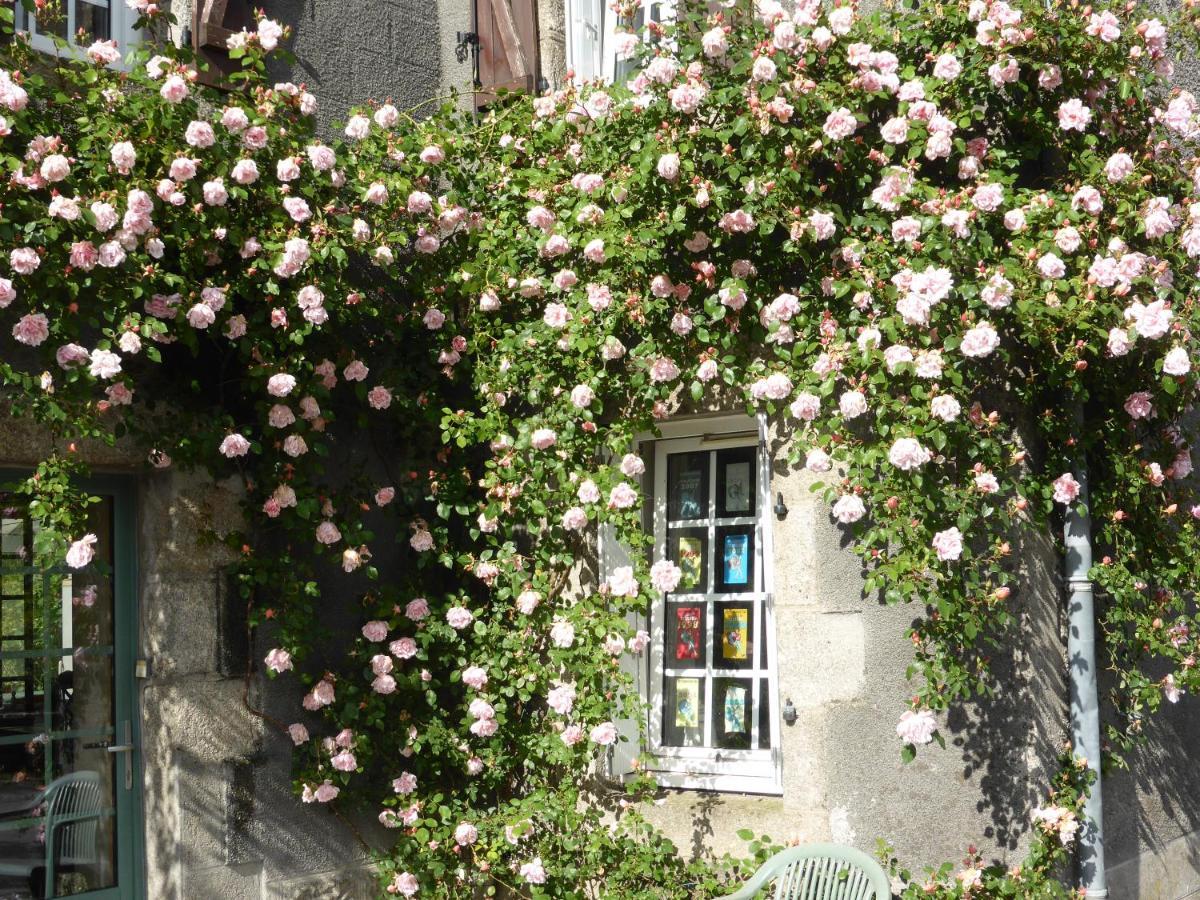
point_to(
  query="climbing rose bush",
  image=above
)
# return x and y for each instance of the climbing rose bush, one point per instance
(949, 251)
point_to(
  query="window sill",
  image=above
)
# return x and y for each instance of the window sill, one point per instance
(725, 783)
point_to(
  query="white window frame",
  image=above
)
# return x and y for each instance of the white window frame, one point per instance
(121, 28)
(709, 768)
(593, 19)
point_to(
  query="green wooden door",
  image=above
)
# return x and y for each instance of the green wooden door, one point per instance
(70, 785)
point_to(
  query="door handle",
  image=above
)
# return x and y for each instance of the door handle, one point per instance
(120, 748)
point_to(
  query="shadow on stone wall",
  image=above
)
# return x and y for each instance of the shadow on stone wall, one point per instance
(1010, 741)
(349, 53)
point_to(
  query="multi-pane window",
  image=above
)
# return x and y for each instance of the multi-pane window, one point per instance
(100, 20)
(592, 33)
(712, 680)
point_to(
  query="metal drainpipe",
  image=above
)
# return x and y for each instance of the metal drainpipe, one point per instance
(1085, 703)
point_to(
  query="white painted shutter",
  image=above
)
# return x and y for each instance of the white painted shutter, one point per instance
(613, 554)
(585, 27)
(767, 537)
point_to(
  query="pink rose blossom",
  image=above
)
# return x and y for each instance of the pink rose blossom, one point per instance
(81, 552)
(622, 582)
(459, 617)
(24, 260)
(379, 397)
(980, 341)
(849, 508)
(817, 461)
(374, 630)
(840, 124)
(533, 871)
(174, 89)
(572, 735)
(32, 329)
(1074, 115)
(622, 496)
(1118, 167)
(907, 454)
(1066, 489)
(665, 576)
(562, 633)
(327, 533)
(916, 726)
(1177, 362)
(806, 407)
(543, 439)
(123, 156)
(945, 407)
(527, 602)
(948, 544)
(403, 648)
(1138, 405)
(604, 734)
(234, 445)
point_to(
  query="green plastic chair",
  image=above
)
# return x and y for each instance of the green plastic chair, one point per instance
(819, 872)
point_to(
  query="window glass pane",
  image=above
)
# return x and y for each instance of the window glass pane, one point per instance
(764, 714)
(687, 637)
(93, 18)
(687, 486)
(688, 549)
(736, 625)
(52, 20)
(683, 712)
(736, 482)
(735, 559)
(733, 700)
(56, 717)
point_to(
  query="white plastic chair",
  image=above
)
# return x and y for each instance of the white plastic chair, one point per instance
(73, 808)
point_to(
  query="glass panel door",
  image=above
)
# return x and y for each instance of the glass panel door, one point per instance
(66, 777)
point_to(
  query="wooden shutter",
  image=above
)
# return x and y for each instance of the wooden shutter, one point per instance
(213, 21)
(508, 47)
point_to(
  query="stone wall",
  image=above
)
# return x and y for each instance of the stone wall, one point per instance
(348, 53)
(222, 818)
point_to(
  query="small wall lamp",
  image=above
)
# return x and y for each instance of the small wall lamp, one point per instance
(781, 509)
(789, 712)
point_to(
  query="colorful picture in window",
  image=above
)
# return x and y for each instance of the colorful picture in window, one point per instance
(735, 559)
(688, 496)
(691, 563)
(735, 709)
(687, 703)
(735, 639)
(687, 485)
(737, 487)
(687, 633)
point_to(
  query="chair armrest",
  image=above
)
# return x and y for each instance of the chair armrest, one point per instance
(25, 809)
